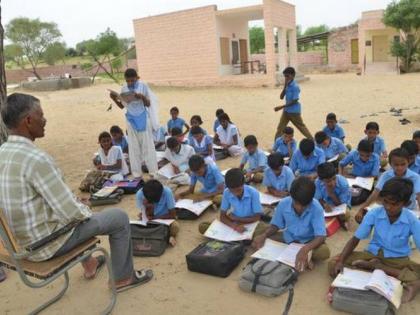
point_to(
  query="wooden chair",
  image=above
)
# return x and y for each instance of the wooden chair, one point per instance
(15, 258)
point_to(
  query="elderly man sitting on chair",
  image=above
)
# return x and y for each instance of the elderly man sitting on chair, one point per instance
(36, 202)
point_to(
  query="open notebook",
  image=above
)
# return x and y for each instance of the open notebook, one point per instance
(221, 232)
(124, 97)
(338, 210)
(167, 171)
(105, 192)
(193, 206)
(377, 281)
(268, 200)
(362, 182)
(334, 158)
(144, 220)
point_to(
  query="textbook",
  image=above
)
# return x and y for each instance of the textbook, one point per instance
(217, 147)
(377, 281)
(276, 251)
(362, 182)
(105, 192)
(221, 232)
(193, 206)
(338, 210)
(334, 158)
(167, 171)
(167, 222)
(268, 200)
(124, 97)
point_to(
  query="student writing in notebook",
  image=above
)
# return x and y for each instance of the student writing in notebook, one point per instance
(278, 178)
(306, 159)
(255, 160)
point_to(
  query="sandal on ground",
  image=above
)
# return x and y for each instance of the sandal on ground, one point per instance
(140, 277)
(101, 264)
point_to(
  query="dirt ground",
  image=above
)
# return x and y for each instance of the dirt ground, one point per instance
(76, 117)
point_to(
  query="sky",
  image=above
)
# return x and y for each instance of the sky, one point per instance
(84, 19)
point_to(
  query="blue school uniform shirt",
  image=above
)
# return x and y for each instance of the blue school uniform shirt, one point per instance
(216, 124)
(136, 113)
(393, 238)
(378, 145)
(336, 147)
(201, 148)
(176, 123)
(123, 144)
(293, 93)
(303, 228)
(211, 179)
(370, 168)
(281, 147)
(166, 202)
(307, 166)
(341, 190)
(256, 160)
(415, 167)
(190, 136)
(415, 178)
(283, 182)
(337, 132)
(248, 206)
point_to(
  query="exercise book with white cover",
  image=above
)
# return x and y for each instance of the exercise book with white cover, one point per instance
(362, 182)
(221, 232)
(338, 210)
(268, 200)
(334, 158)
(197, 207)
(167, 171)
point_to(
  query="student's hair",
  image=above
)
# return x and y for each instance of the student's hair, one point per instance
(224, 116)
(398, 190)
(116, 129)
(219, 111)
(275, 160)
(320, 137)
(176, 132)
(174, 109)
(250, 140)
(410, 146)
(172, 143)
(196, 130)
(103, 135)
(196, 162)
(302, 190)
(326, 170)
(234, 178)
(365, 146)
(288, 130)
(331, 116)
(306, 146)
(152, 190)
(372, 125)
(130, 73)
(18, 105)
(289, 70)
(197, 118)
(416, 134)
(398, 152)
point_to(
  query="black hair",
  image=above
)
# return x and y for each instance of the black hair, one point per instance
(103, 135)
(152, 190)
(302, 190)
(398, 190)
(196, 130)
(130, 73)
(416, 134)
(174, 109)
(275, 160)
(250, 140)
(172, 143)
(372, 125)
(290, 70)
(320, 137)
(219, 111)
(410, 146)
(365, 146)
(198, 118)
(306, 146)
(18, 105)
(288, 130)
(196, 162)
(331, 116)
(398, 152)
(326, 170)
(176, 132)
(234, 178)
(116, 129)
(224, 116)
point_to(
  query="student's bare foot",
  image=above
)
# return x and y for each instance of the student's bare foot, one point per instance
(172, 241)
(410, 291)
(367, 265)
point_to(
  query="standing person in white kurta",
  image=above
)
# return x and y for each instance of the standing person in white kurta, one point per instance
(141, 117)
(227, 136)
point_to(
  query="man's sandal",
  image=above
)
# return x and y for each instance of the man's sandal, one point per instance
(140, 277)
(101, 264)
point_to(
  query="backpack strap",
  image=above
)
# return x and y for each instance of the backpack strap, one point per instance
(290, 285)
(258, 274)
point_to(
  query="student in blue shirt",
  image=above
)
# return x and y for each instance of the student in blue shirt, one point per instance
(398, 159)
(202, 144)
(391, 226)
(278, 178)
(216, 123)
(240, 204)
(333, 190)
(365, 163)
(292, 109)
(177, 122)
(372, 134)
(195, 121)
(413, 162)
(331, 146)
(333, 129)
(305, 160)
(118, 138)
(157, 202)
(255, 159)
(209, 176)
(301, 218)
(285, 145)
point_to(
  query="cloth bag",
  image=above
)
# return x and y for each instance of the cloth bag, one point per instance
(149, 241)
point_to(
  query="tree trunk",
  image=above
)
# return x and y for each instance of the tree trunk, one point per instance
(3, 86)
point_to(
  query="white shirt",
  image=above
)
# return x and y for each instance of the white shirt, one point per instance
(181, 158)
(226, 135)
(114, 154)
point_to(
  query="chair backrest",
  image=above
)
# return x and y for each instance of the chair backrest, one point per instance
(6, 233)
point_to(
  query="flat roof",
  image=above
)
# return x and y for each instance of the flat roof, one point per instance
(255, 12)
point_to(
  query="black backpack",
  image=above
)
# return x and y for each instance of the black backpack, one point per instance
(149, 241)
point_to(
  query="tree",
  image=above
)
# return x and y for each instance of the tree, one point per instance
(71, 52)
(405, 16)
(54, 52)
(298, 30)
(33, 37)
(3, 86)
(316, 30)
(256, 39)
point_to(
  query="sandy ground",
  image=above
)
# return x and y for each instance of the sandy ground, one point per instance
(76, 117)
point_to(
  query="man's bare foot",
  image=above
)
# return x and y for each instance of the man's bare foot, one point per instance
(367, 265)
(410, 291)
(92, 266)
(172, 241)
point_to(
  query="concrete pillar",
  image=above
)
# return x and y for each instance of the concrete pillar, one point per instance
(282, 46)
(270, 57)
(293, 62)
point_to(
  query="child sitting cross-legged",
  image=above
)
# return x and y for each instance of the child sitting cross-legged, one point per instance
(332, 128)
(390, 227)
(227, 136)
(305, 160)
(286, 144)
(413, 162)
(331, 146)
(195, 121)
(255, 159)
(202, 144)
(301, 219)
(278, 178)
(118, 138)
(372, 135)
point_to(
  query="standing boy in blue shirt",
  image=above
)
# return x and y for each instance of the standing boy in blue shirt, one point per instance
(285, 145)
(331, 146)
(301, 218)
(255, 159)
(372, 135)
(278, 178)
(176, 122)
(392, 225)
(333, 129)
(305, 160)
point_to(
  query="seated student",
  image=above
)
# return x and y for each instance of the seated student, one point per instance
(118, 138)
(240, 204)
(216, 124)
(202, 144)
(413, 162)
(227, 136)
(333, 190)
(159, 137)
(255, 159)
(301, 218)
(333, 129)
(278, 178)
(177, 133)
(391, 226)
(195, 121)
(285, 144)
(372, 132)
(110, 158)
(209, 176)
(158, 202)
(305, 160)
(331, 146)
(177, 122)
(416, 138)
(398, 159)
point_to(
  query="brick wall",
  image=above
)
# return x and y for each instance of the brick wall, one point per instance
(303, 57)
(339, 47)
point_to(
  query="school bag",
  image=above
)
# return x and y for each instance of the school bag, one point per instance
(220, 154)
(110, 199)
(361, 302)
(215, 258)
(149, 241)
(128, 186)
(359, 195)
(93, 181)
(184, 214)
